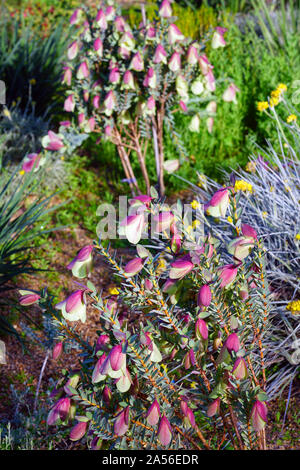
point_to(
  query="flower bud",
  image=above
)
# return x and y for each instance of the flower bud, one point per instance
(214, 408)
(232, 343)
(78, 431)
(153, 414)
(164, 431)
(121, 424)
(133, 267)
(57, 350)
(201, 329)
(204, 296)
(240, 369)
(259, 415)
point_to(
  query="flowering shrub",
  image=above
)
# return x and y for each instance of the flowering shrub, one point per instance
(125, 83)
(179, 360)
(268, 196)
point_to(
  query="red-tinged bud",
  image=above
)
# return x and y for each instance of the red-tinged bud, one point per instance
(204, 64)
(259, 415)
(204, 296)
(192, 55)
(164, 220)
(75, 17)
(244, 293)
(164, 431)
(122, 422)
(97, 375)
(69, 104)
(137, 62)
(96, 102)
(214, 408)
(67, 77)
(153, 414)
(102, 341)
(201, 329)
(59, 411)
(217, 343)
(228, 274)
(107, 395)
(132, 227)
(184, 407)
(96, 443)
(57, 350)
(74, 307)
(232, 343)
(175, 244)
(128, 80)
(218, 38)
(189, 359)
(78, 431)
(150, 79)
(81, 265)
(133, 267)
(29, 299)
(183, 106)
(120, 24)
(148, 284)
(114, 75)
(230, 94)
(240, 369)
(180, 268)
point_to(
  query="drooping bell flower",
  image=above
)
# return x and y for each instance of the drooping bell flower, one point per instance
(153, 414)
(192, 55)
(67, 77)
(210, 124)
(218, 38)
(109, 103)
(164, 431)
(120, 24)
(180, 268)
(194, 125)
(69, 104)
(28, 297)
(163, 221)
(150, 79)
(214, 408)
(218, 204)
(101, 20)
(241, 247)
(83, 71)
(121, 424)
(204, 296)
(174, 34)
(98, 47)
(201, 329)
(72, 50)
(75, 17)
(114, 75)
(128, 80)
(81, 265)
(228, 274)
(239, 370)
(160, 55)
(137, 62)
(97, 375)
(232, 343)
(165, 9)
(197, 87)
(204, 64)
(74, 307)
(59, 411)
(110, 12)
(175, 62)
(32, 161)
(259, 415)
(230, 93)
(132, 227)
(57, 350)
(210, 81)
(78, 431)
(52, 141)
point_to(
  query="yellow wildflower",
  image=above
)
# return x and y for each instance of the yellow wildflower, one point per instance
(22, 172)
(294, 307)
(202, 183)
(165, 367)
(189, 228)
(32, 81)
(229, 218)
(291, 118)
(62, 157)
(113, 291)
(282, 87)
(297, 236)
(195, 204)
(7, 113)
(251, 167)
(162, 266)
(241, 185)
(193, 385)
(262, 105)
(195, 223)
(275, 93)
(264, 214)
(274, 101)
